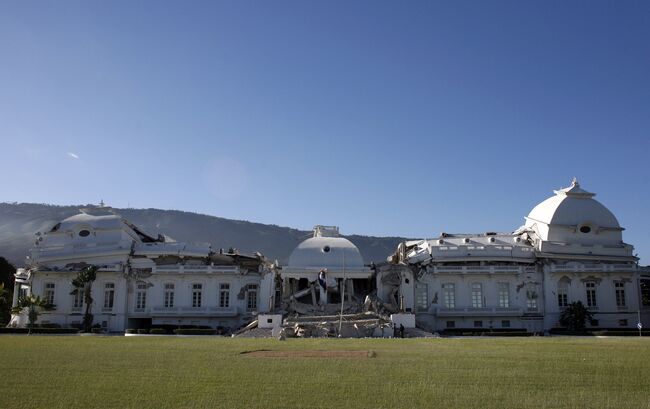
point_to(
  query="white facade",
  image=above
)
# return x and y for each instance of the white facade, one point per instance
(143, 280)
(569, 249)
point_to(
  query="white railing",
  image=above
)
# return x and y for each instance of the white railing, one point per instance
(462, 311)
(593, 268)
(484, 269)
(185, 269)
(208, 311)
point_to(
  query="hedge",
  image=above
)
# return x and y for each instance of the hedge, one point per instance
(143, 331)
(195, 331)
(158, 331)
(39, 330)
(616, 332)
(495, 332)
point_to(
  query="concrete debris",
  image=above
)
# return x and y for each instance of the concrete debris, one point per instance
(247, 327)
(299, 308)
(358, 325)
(255, 333)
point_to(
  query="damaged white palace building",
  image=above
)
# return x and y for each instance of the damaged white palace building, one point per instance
(569, 249)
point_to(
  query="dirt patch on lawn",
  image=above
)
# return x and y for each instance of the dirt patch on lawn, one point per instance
(310, 354)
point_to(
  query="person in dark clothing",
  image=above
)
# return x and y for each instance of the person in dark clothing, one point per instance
(401, 330)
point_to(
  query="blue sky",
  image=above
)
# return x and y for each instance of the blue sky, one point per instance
(385, 118)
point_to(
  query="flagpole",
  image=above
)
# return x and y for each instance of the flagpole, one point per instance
(342, 294)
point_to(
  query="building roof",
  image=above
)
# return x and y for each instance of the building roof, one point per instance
(573, 206)
(105, 222)
(326, 250)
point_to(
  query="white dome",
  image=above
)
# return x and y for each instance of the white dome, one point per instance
(573, 215)
(573, 206)
(326, 252)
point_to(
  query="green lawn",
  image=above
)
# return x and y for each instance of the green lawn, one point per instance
(157, 372)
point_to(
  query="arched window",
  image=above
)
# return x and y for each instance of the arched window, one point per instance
(563, 292)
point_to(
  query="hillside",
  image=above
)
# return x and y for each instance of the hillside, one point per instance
(20, 221)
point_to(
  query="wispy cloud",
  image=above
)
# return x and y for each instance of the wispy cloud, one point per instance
(73, 155)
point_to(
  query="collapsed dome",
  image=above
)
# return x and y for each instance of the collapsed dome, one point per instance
(82, 220)
(326, 250)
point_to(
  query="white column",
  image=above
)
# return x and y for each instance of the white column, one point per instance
(350, 289)
(14, 303)
(323, 294)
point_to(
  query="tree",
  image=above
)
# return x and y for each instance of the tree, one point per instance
(3, 294)
(34, 304)
(575, 316)
(7, 271)
(83, 283)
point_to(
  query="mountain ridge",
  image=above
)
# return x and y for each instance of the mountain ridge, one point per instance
(20, 221)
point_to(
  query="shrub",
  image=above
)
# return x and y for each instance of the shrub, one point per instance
(615, 332)
(143, 331)
(575, 316)
(97, 330)
(50, 325)
(158, 331)
(195, 331)
(130, 331)
(39, 330)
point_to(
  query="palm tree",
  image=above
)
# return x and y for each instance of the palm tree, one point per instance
(575, 316)
(34, 304)
(83, 283)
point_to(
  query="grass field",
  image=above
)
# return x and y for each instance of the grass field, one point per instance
(171, 372)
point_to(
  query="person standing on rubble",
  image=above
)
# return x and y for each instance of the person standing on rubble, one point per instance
(322, 280)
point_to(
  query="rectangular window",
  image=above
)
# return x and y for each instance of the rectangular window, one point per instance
(591, 294)
(449, 294)
(169, 295)
(622, 323)
(531, 298)
(78, 300)
(109, 296)
(224, 295)
(504, 295)
(619, 286)
(478, 324)
(531, 304)
(505, 324)
(141, 297)
(451, 324)
(477, 295)
(645, 292)
(421, 297)
(49, 293)
(197, 295)
(251, 297)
